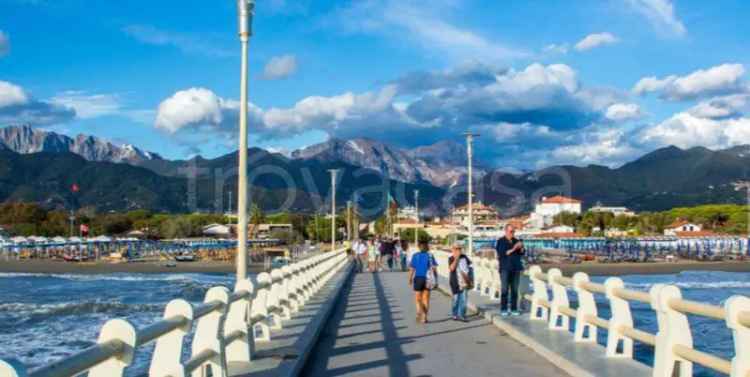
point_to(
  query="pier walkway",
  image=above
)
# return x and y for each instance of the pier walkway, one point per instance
(373, 332)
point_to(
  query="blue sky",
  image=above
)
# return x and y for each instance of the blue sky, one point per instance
(544, 82)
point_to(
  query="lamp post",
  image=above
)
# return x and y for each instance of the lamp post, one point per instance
(333, 207)
(245, 10)
(416, 226)
(469, 154)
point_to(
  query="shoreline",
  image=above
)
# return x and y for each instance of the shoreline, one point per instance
(593, 269)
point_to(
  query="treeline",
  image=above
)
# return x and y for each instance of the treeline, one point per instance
(719, 218)
(30, 219)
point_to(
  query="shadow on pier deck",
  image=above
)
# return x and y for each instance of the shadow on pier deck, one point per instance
(373, 332)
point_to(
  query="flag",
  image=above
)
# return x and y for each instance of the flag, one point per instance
(74, 187)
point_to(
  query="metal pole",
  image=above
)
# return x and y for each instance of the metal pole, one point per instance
(349, 220)
(469, 155)
(416, 226)
(245, 15)
(333, 207)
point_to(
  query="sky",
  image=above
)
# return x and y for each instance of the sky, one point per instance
(544, 82)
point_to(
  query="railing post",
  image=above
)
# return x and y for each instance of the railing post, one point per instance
(741, 334)
(290, 285)
(116, 329)
(559, 298)
(168, 350)
(495, 282)
(239, 319)
(275, 309)
(279, 285)
(674, 329)
(621, 316)
(208, 335)
(538, 312)
(585, 332)
(260, 308)
(12, 368)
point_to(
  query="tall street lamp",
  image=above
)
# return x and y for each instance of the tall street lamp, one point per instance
(245, 10)
(333, 207)
(416, 226)
(469, 154)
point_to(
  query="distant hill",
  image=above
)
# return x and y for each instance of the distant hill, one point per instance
(40, 166)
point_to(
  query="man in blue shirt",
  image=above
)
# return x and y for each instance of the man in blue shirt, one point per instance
(423, 277)
(510, 255)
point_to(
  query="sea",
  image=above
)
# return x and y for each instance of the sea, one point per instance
(45, 317)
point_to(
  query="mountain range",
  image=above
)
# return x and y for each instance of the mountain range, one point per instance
(40, 166)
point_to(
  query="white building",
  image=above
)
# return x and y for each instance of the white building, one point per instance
(217, 230)
(408, 212)
(481, 213)
(681, 226)
(546, 210)
(617, 211)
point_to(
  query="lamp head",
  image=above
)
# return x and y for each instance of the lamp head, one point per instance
(245, 10)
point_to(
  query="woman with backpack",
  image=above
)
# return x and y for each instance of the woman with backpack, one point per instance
(423, 278)
(461, 281)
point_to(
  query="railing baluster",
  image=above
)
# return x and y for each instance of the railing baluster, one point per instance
(621, 316)
(538, 311)
(735, 307)
(208, 335)
(585, 331)
(238, 320)
(674, 329)
(168, 350)
(121, 331)
(557, 319)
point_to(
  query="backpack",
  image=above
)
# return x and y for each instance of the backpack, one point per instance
(470, 282)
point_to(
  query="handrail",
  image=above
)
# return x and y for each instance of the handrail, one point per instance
(697, 308)
(594, 287)
(744, 319)
(81, 361)
(566, 281)
(199, 359)
(629, 294)
(714, 362)
(156, 330)
(596, 321)
(205, 309)
(639, 335)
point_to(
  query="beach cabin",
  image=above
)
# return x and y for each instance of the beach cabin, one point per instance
(681, 227)
(217, 230)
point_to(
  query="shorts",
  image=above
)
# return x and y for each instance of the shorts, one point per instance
(420, 284)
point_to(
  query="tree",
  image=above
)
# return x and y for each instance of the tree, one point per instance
(566, 218)
(408, 234)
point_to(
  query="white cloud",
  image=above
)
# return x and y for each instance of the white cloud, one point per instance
(608, 146)
(427, 27)
(201, 44)
(89, 105)
(190, 107)
(686, 130)
(620, 112)
(11, 94)
(721, 79)
(595, 40)
(4, 44)
(556, 48)
(16, 107)
(280, 67)
(722, 107)
(661, 14)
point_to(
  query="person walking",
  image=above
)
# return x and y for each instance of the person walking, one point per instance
(387, 249)
(460, 281)
(423, 279)
(373, 255)
(360, 255)
(510, 255)
(403, 253)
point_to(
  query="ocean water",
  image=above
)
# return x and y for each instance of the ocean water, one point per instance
(709, 335)
(45, 317)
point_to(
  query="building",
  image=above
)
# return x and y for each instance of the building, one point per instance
(482, 214)
(681, 227)
(408, 212)
(617, 211)
(549, 207)
(217, 230)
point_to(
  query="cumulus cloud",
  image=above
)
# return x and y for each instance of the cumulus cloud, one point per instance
(620, 112)
(721, 79)
(686, 130)
(17, 106)
(595, 40)
(556, 48)
(605, 146)
(539, 106)
(4, 44)
(429, 28)
(200, 44)
(280, 67)
(88, 105)
(722, 107)
(661, 14)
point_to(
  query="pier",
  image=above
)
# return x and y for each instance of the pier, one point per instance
(317, 317)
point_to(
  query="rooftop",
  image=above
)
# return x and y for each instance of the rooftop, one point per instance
(559, 199)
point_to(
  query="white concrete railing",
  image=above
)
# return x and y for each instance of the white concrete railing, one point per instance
(674, 354)
(486, 273)
(227, 326)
